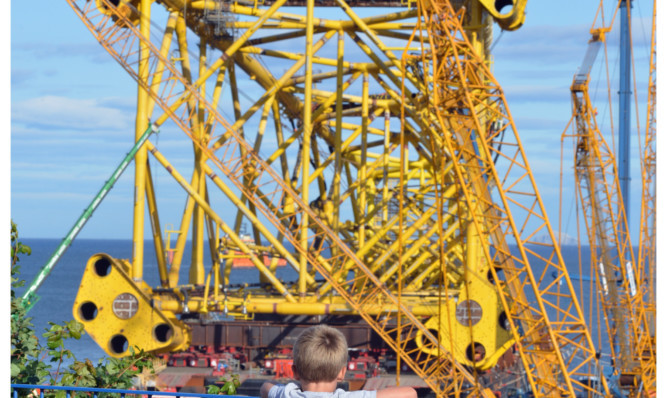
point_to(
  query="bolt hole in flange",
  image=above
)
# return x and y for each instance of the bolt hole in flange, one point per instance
(162, 332)
(500, 4)
(103, 267)
(504, 321)
(475, 352)
(118, 344)
(88, 311)
(435, 334)
(489, 277)
(102, 3)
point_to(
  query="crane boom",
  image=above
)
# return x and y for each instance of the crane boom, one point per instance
(612, 257)
(479, 119)
(647, 242)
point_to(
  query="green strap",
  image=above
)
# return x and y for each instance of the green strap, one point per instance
(29, 296)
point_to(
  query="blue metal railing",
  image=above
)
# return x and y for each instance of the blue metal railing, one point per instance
(122, 393)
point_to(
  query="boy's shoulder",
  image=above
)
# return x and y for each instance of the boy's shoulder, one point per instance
(340, 393)
(293, 390)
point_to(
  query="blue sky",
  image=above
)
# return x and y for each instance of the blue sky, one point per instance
(72, 111)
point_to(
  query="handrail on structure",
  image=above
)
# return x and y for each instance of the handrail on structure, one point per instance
(95, 391)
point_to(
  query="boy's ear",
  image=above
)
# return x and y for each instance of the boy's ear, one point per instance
(341, 374)
(294, 372)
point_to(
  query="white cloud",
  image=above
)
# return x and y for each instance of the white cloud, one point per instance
(70, 113)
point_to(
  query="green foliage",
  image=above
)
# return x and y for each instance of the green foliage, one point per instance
(32, 364)
(25, 368)
(229, 385)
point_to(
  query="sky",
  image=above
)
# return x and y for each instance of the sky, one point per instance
(72, 112)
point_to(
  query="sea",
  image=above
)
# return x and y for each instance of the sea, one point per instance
(58, 291)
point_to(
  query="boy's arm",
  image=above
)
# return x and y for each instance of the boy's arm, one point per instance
(264, 390)
(396, 392)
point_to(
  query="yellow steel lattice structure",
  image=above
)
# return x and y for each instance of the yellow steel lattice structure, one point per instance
(647, 248)
(499, 189)
(646, 259)
(409, 217)
(621, 292)
(281, 205)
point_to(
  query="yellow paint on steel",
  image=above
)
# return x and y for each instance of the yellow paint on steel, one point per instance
(141, 124)
(181, 240)
(117, 313)
(260, 303)
(232, 235)
(256, 222)
(306, 143)
(647, 231)
(197, 274)
(154, 217)
(164, 50)
(341, 289)
(511, 20)
(473, 144)
(621, 294)
(347, 234)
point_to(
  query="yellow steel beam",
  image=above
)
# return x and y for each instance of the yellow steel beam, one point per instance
(286, 23)
(197, 274)
(421, 306)
(157, 230)
(174, 269)
(141, 124)
(328, 23)
(164, 50)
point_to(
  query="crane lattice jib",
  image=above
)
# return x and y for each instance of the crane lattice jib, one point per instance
(489, 160)
(239, 162)
(612, 257)
(647, 249)
(646, 259)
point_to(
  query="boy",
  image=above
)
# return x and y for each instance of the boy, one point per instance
(320, 361)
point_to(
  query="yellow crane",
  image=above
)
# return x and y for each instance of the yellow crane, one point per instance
(394, 188)
(646, 258)
(647, 248)
(621, 292)
(470, 104)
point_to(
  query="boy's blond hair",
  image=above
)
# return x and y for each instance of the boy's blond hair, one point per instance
(320, 353)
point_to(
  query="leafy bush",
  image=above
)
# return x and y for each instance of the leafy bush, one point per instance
(228, 387)
(32, 364)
